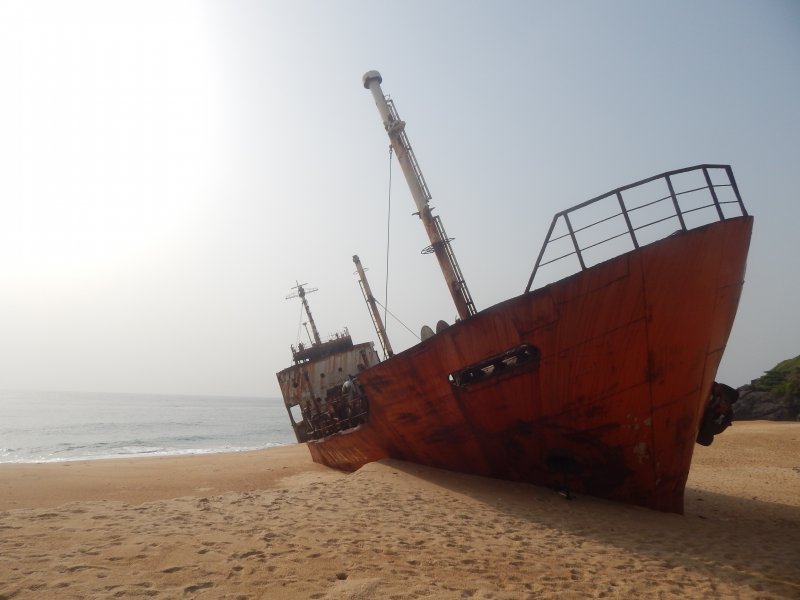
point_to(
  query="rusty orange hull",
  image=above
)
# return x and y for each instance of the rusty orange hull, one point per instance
(624, 356)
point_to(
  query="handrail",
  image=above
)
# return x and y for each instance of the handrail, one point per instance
(625, 212)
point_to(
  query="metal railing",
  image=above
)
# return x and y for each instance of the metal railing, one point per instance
(627, 212)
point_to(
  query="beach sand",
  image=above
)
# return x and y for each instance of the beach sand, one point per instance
(272, 524)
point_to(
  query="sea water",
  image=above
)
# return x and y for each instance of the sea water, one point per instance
(61, 426)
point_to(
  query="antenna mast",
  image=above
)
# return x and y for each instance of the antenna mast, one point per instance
(440, 243)
(301, 293)
(373, 309)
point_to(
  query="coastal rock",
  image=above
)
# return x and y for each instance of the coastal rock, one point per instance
(754, 404)
(775, 396)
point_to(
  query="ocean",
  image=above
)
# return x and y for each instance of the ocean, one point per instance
(62, 426)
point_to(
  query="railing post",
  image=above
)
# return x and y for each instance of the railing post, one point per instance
(675, 202)
(541, 253)
(627, 220)
(735, 189)
(713, 194)
(574, 241)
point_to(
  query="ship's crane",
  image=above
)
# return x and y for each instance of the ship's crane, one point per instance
(301, 293)
(440, 243)
(373, 309)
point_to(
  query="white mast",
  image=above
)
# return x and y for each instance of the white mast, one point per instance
(440, 244)
(373, 309)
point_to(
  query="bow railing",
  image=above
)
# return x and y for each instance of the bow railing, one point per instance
(638, 214)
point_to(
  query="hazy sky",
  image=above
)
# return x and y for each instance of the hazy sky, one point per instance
(169, 169)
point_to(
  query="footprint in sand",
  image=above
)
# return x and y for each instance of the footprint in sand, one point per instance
(255, 553)
(172, 570)
(197, 587)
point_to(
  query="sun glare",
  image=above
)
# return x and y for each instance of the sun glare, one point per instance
(109, 126)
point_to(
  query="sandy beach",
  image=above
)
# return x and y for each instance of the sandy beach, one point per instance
(272, 524)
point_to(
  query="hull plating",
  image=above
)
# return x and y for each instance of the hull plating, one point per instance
(626, 353)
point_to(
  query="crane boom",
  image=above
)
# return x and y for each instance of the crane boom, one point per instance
(373, 309)
(440, 243)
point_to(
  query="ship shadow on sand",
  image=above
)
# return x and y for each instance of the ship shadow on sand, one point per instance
(743, 541)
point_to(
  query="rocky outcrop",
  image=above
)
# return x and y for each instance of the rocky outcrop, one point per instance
(775, 396)
(767, 405)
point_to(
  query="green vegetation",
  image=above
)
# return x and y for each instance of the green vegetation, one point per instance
(782, 380)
